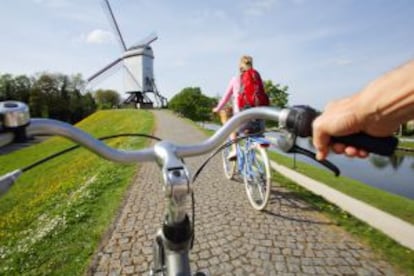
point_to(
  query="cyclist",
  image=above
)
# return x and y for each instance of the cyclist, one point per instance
(233, 91)
(377, 110)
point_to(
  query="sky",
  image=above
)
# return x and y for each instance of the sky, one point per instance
(321, 49)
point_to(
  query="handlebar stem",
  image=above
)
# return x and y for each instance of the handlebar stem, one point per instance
(176, 181)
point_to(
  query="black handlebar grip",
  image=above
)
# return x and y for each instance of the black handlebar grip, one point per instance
(299, 121)
(380, 145)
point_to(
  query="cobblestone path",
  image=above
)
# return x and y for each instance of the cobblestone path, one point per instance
(231, 238)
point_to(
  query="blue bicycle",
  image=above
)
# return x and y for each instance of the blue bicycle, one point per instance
(252, 164)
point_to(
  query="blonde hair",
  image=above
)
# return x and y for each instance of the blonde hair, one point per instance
(246, 62)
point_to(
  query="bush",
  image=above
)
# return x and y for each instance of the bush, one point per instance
(192, 104)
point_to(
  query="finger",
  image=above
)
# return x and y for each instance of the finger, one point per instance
(320, 141)
(338, 148)
(321, 155)
(321, 145)
(363, 154)
(351, 151)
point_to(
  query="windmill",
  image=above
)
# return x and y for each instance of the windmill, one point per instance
(137, 62)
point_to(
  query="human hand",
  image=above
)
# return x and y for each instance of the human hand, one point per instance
(338, 119)
(378, 110)
(344, 117)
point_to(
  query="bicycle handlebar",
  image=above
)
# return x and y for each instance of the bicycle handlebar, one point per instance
(16, 125)
(54, 127)
(297, 120)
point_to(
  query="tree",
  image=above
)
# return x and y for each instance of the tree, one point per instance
(23, 85)
(277, 94)
(107, 98)
(81, 105)
(37, 103)
(7, 87)
(56, 95)
(47, 87)
(49, 95)
(191, 103)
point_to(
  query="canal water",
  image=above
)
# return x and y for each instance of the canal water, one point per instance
(394, 174)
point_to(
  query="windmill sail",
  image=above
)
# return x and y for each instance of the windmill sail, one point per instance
(105, 69)
(114, 24)
(145, 42)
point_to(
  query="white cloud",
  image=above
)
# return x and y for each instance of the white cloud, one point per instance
(258, 7)
(343, 61)
(99, 36)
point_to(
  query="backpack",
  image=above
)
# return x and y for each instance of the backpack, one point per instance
(251, 90)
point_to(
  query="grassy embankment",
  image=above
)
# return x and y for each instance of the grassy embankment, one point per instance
(406, 144)
(53, 218)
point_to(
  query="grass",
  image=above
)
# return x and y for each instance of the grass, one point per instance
(54, 216)
(406, 144)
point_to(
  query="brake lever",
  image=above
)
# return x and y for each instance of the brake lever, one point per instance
(287, 143)
(331, 166)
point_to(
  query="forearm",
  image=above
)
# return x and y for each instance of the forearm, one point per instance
(226, 96)
(390, 97)
(223, 101)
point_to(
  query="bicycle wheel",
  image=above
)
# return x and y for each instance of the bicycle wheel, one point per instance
(228, 166)
(257, 177)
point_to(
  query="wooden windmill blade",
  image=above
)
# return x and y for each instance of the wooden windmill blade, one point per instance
(114, 24)
(146, 41)
(105, 71)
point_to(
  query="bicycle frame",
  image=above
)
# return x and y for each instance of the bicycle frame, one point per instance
(242, 158)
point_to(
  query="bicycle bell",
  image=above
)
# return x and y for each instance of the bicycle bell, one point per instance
(13, 114)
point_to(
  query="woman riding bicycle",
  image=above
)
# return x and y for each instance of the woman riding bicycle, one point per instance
(233, 90)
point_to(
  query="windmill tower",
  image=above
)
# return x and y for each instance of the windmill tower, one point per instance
(138, 66)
